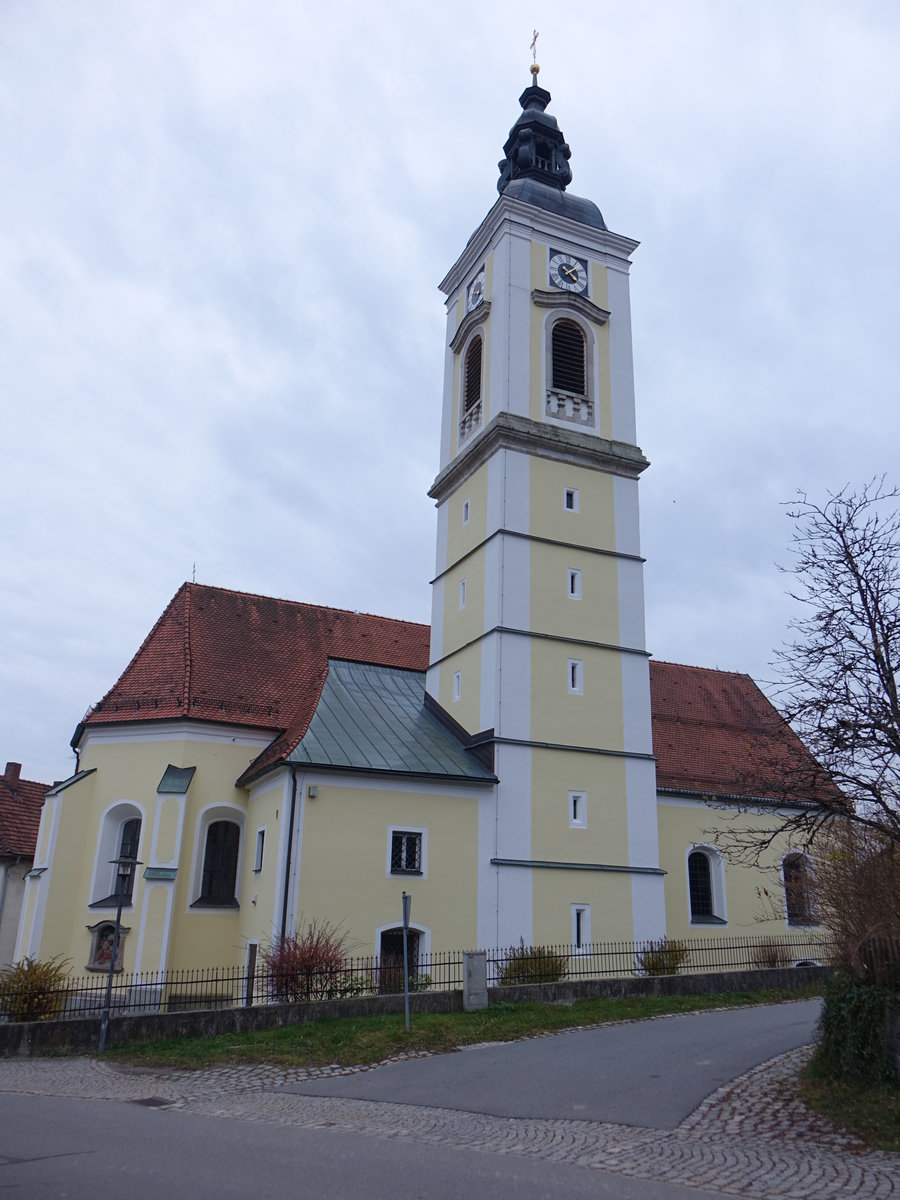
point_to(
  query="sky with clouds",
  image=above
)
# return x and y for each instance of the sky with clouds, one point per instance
(222, 225)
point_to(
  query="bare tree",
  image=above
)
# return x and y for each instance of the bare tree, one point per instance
(840, 674)
(838, 681)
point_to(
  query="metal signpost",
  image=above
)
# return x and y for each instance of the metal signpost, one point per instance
(407, 905)
(124, 869)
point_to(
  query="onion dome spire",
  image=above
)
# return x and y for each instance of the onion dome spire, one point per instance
(535, 148)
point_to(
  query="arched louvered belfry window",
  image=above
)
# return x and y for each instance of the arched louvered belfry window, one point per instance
(567, 348)
(472, 375)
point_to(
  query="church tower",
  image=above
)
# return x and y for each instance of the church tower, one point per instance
(537, 643)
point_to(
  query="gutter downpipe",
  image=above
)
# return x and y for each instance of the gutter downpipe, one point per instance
(290, 848)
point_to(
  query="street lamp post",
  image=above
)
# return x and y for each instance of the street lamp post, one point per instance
(124, 870)
(407, 905)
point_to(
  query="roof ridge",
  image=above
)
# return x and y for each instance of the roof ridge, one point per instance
(186, 691)
(665, 662)
(350, 612)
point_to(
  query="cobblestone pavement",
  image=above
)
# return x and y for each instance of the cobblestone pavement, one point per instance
(752, 1137)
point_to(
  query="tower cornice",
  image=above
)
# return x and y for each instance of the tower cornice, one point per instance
(515, 216)
(508, 431)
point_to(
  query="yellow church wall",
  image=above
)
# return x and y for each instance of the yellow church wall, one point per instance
(604, 838)
(461, 539)
(155, 925)
(607, 893)
(462, 625)
(467, 709)
(593, 718)
(350, 887)
(168, 813)
(594, 616)
(62, 894)
(265, 812)
(595, 522)
(539, 259)
(684, 825)
(602, 381)
(130, 771)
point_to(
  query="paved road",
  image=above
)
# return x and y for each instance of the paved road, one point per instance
(83, 1128)
(94, 1150)
(649, 1073)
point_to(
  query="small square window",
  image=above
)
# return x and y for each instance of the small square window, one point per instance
(570, 499)
(462, 593)
(578, 810)
(465, 512)
(456, 685)
(574, 584)
(406, 853)
(576, 676)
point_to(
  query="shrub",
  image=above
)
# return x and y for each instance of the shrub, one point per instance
(310, 965)
(33, 991)
(663, 957)
(531, 964)
(770, 952)
(852, 1032)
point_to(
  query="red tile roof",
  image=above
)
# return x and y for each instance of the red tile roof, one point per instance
(254, 661)
(20, 812)
(715, 733)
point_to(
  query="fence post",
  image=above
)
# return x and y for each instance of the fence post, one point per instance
(251, 975)
(475, 995)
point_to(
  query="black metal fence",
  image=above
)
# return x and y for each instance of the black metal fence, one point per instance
(668, 956)
(222, 987)
(260, 983)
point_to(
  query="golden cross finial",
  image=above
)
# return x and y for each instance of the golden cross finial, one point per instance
(534, 62)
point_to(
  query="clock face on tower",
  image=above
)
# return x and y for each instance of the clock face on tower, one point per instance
(567, 272)
(475, 291)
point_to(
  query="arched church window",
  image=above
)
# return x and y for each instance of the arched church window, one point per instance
(700, 885)
(220, 861)
(799, 892)
(568, 348)
(120, 837)
(706, 886)
(472, 376)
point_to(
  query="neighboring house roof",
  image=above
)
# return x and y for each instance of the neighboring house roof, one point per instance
(716, 734)
(261, 663)
(20, 812)
(372, 718)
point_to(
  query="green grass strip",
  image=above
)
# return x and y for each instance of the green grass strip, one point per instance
(872, 1113)
(356, 1041)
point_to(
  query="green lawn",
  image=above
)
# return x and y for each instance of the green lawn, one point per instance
(872, 1113)
(352, 1041)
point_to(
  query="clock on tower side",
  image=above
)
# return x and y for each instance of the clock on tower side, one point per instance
(538, 610)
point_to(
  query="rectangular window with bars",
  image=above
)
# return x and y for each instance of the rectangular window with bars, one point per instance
(406, 853)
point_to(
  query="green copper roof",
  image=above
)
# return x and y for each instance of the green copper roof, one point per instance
(373, 718)
(175, 780)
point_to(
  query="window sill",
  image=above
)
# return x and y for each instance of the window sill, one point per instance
(708, 921)
(112, 902)
(399, 872)
(226, 904)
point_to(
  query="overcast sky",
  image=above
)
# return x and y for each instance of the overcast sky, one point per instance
(222, 226)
